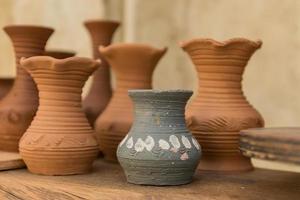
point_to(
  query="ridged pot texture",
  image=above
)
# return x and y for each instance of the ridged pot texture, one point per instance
(60, 140)
(159, 150)
(220, 110)
(133, 65)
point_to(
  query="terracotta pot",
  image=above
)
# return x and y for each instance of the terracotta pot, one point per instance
(18, 107)
(5, 85)
(59, 140)
(133, 65)
(220, 110)
(159, 150)
(59, 54)
(94, 103)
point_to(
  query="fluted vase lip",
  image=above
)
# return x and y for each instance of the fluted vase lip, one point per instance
(233, 42)
(155, 92)
(11, 29)
(66, 64)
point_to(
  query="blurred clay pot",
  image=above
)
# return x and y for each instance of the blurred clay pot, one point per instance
(19, 106)
(101, 33)
(5, 85)
(133, 65)
(60, 140)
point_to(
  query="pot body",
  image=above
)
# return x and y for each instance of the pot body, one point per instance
(60, 140)
(19, 106)
(133, 65)
(94, 103)
(159, 150)
(220, 110)
(5, 85)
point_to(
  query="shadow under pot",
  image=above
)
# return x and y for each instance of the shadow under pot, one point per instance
(159, 149)
(133, 65)
(59, 141)
(220, 110)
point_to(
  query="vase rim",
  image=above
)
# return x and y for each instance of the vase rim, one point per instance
(27, 26)
(132, 46)
(70, 63)
(215, 43)
(157, 91)
(101, 21)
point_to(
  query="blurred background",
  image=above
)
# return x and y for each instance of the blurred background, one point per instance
(271, 78)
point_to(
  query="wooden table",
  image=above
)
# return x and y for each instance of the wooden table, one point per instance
(107, 181)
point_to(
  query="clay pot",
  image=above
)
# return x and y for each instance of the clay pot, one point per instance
(5, 85)
(220, 110)
(59, 140)
(59, 54)
(159, 150)
(133, 65)
(19, 106)
(94, 103)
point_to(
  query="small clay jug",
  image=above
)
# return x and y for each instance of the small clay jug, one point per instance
(101, 32)
(159, 150)
(59, 141)
(220, 110)
(19, 106)
(5, 85)
(58, 54)
(133, 65)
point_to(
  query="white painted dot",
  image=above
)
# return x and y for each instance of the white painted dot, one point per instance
(174, 141)
(163, 144)
(186, 142)
(129, 143)
(139, 145)
(149, 143)
(184, 156)
(123, 141)
(196, 144)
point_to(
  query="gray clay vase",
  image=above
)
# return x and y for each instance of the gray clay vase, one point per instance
(159, 150)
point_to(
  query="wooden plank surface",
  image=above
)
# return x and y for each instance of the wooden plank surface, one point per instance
(279, 144)
(107, 181)
(10, 160)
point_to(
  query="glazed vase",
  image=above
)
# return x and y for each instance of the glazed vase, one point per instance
(159, 150)
(133, 65)
(59, 141)
(220, 110)
(59, 54)
(101, 32)
(5, 85)
(19, 106)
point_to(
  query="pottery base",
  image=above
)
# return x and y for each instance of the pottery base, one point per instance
(59, 163)
(225, 164)
(10, 160)
(157, 172)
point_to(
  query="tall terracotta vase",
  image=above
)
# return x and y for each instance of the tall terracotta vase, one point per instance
(94, 103)
(220, 110)
(59, 140)
(18, 107)
(5, 85)
(59, 54)
(133, 65)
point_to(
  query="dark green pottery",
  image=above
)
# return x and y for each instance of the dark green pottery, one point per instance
(159, 150)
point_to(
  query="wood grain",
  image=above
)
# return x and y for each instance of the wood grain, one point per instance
(10, 160)
(107, 181)
(280, 144)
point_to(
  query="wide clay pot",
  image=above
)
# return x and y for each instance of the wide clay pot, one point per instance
(220, 110)
(101, 32)
(133, 65)
(60, 140)
(159, 150)
(5, 85)
(59, 54)
(19, 106)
